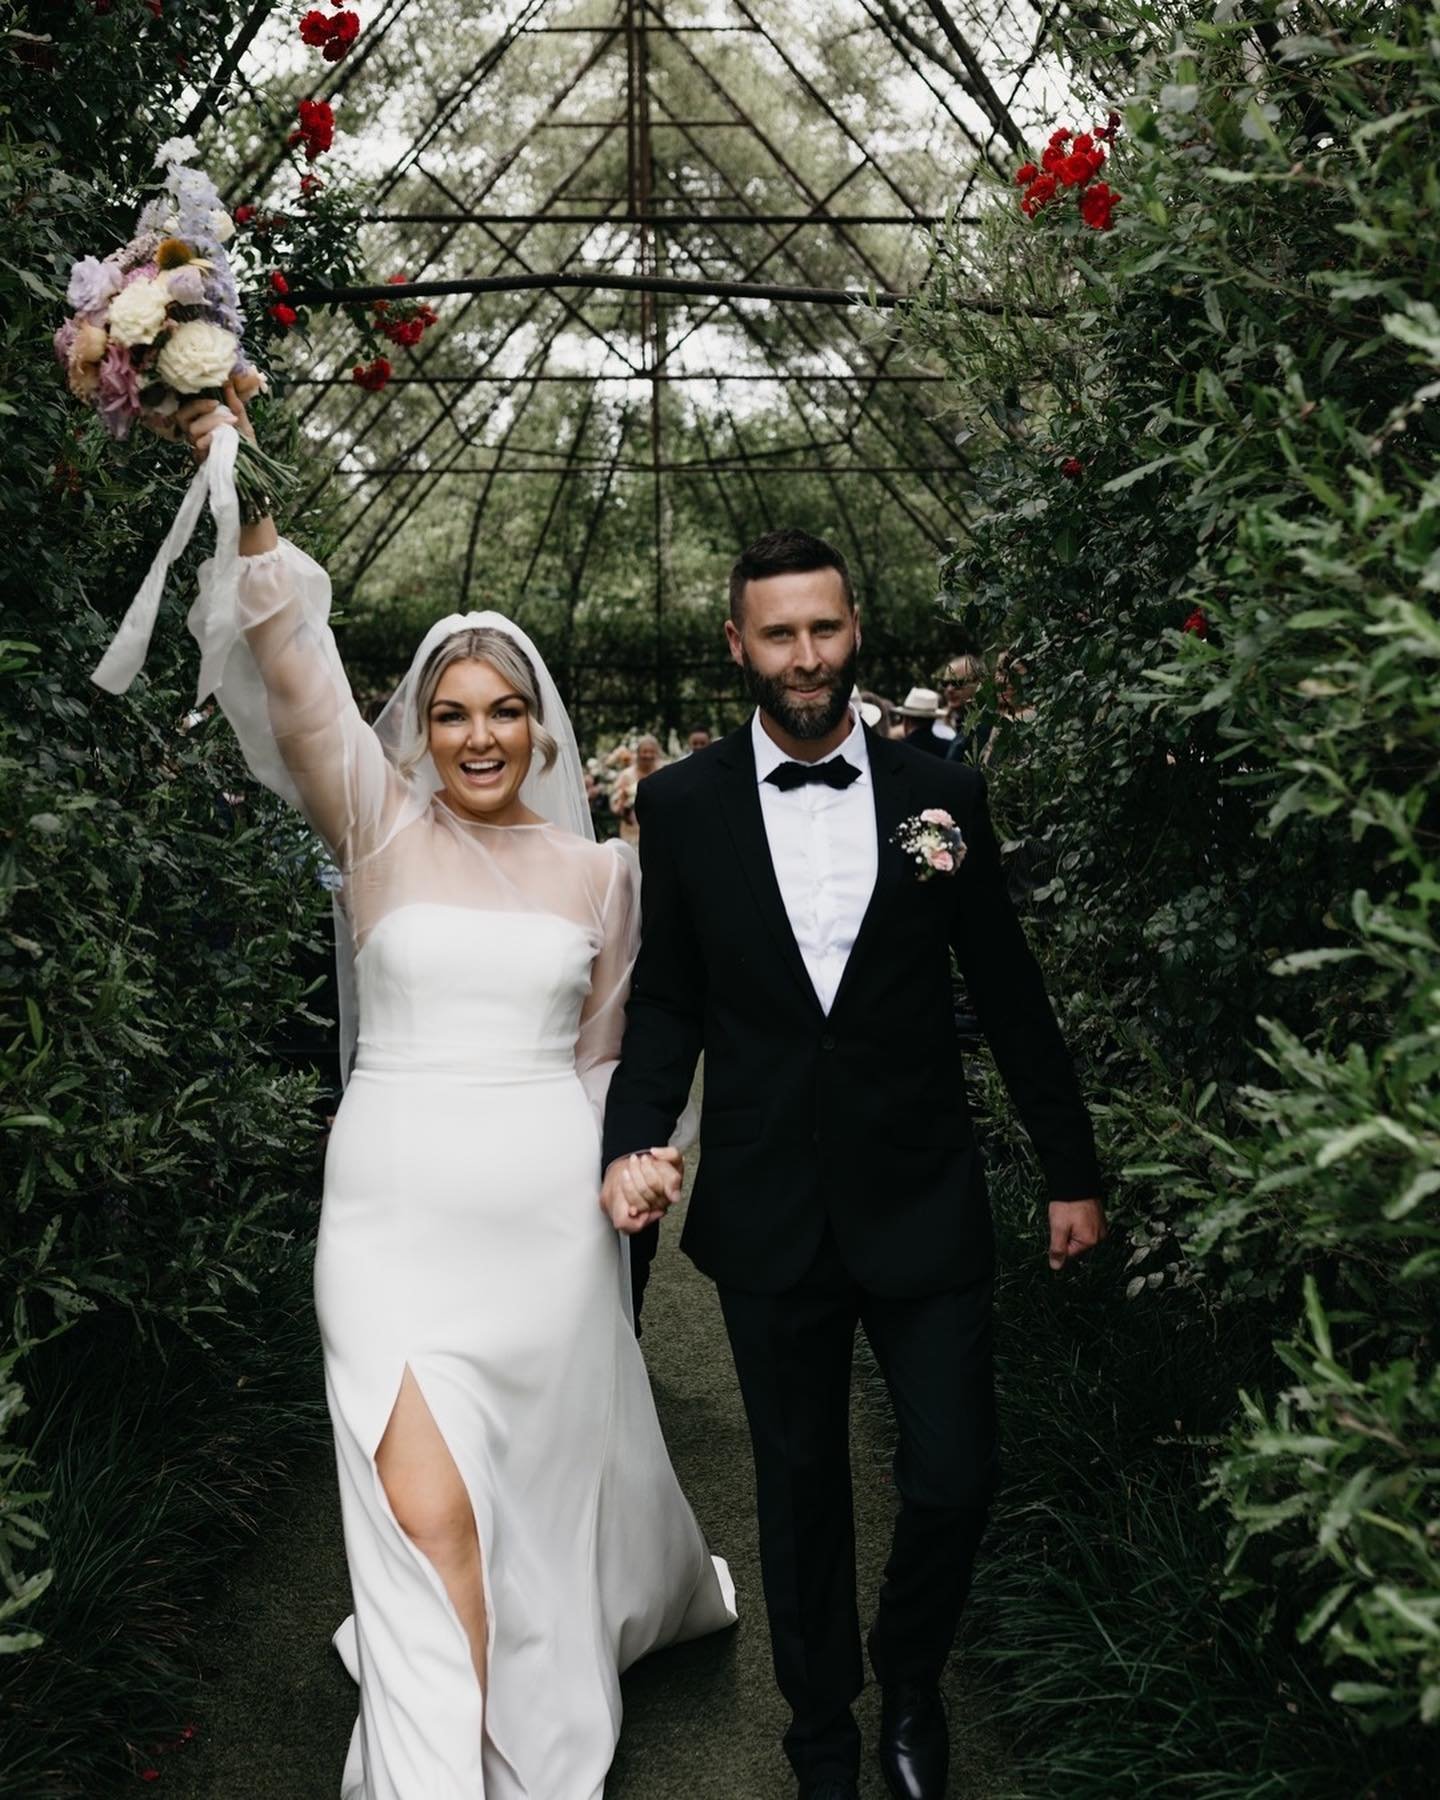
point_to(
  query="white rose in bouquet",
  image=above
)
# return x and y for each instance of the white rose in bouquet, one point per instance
(138, 311)
(222, 225)
(197, 356)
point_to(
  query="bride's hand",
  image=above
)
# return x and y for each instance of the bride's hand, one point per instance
(197, 419)
(640, 1189)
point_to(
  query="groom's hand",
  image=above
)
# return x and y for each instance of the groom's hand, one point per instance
(1075, 1227)
(640, 1189)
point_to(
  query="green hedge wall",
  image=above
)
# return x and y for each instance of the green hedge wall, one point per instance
(157, 1162)
(1207, 518)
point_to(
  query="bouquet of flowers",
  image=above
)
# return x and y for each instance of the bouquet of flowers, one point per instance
(154, 325)
(159, 322)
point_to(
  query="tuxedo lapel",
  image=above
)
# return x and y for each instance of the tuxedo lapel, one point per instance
(893, 802)
(740, 799)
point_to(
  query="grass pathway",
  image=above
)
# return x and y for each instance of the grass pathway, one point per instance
(702, 1722)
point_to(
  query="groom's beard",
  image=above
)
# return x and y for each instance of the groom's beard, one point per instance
(820, 716)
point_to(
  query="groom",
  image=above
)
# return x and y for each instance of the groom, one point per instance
(784, 932)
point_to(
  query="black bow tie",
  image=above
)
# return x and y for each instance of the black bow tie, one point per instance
(834, 772)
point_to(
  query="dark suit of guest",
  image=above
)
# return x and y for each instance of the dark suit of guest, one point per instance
(841, 1181)
(926, 738)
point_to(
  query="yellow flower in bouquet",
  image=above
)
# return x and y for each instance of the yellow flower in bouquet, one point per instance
(82, 363)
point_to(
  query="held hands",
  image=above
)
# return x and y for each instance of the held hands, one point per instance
(642, 1188)
(1075, 1227)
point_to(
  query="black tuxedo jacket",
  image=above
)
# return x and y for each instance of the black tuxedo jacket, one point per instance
(859, 1116)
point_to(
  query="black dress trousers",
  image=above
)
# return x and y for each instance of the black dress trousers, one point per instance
(793, 1354)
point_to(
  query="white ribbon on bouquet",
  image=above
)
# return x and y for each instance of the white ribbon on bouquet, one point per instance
(214, 481)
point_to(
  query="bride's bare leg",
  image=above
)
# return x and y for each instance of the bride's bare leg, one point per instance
(433, 1509)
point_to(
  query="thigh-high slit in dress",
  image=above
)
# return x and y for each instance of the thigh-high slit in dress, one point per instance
(460, 1238)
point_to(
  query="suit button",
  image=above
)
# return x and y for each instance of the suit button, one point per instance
(827, 1042)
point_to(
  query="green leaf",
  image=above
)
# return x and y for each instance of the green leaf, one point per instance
(1121, 482)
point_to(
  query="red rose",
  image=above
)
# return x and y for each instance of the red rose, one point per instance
(244, 214)
(1025, 174)
(315, 29)
(406, 332)
(311, 184)
(1059, 138)
(149, 1774)
(397, 280)
(278, 282)
(284, 316)
(1072, 468)
(1197, 624)
(156, 7)
(1052, 157)
(1096, 205)
(371, 378)
(317, 123)
(346, 27)
(1038, 192)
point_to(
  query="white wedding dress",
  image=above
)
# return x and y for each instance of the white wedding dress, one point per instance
(460, 1237)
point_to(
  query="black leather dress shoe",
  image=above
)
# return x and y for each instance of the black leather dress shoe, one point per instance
(914, 1742)
(830, 1789)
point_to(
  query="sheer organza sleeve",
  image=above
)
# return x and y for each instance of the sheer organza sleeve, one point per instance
(270, 659)
(602, 1019)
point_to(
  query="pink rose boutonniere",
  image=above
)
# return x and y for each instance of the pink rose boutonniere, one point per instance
(933, 842)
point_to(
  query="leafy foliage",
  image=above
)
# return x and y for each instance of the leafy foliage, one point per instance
(157, 1161)
(1204, 447)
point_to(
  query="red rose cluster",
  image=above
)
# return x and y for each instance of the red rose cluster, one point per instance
(404, 322)
(316, 130)
(372, 376)
(333, 35)
(1072, 160)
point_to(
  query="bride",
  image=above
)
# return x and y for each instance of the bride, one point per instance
(515, 1533)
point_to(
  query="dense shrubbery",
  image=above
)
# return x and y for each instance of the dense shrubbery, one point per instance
(1205, 444)
(157, 1166)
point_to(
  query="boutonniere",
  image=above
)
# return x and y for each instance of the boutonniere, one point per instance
(933, 842)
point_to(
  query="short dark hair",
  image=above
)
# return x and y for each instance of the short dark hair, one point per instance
(788, 551)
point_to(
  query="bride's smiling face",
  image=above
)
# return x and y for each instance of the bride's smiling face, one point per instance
(480, 743)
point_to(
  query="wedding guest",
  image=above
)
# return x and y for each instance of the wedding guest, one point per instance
(648, 758)
(699, 739)
(960, 682)
(923, 714)
(873, 710)
(1011, 709)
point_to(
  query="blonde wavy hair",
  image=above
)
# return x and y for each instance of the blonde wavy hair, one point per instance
(477, 644)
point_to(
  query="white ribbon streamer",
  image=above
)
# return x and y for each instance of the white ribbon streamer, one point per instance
(214, 481)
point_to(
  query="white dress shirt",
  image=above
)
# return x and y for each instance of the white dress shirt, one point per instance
(824, 850)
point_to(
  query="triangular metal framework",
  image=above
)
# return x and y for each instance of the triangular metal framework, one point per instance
(681, 119)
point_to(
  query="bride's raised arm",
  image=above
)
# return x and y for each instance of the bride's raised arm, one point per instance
(270, 658)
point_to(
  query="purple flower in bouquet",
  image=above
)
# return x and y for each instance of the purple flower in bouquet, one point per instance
(118, 397)
(92, 284)
(64, 342)
(187, 286)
